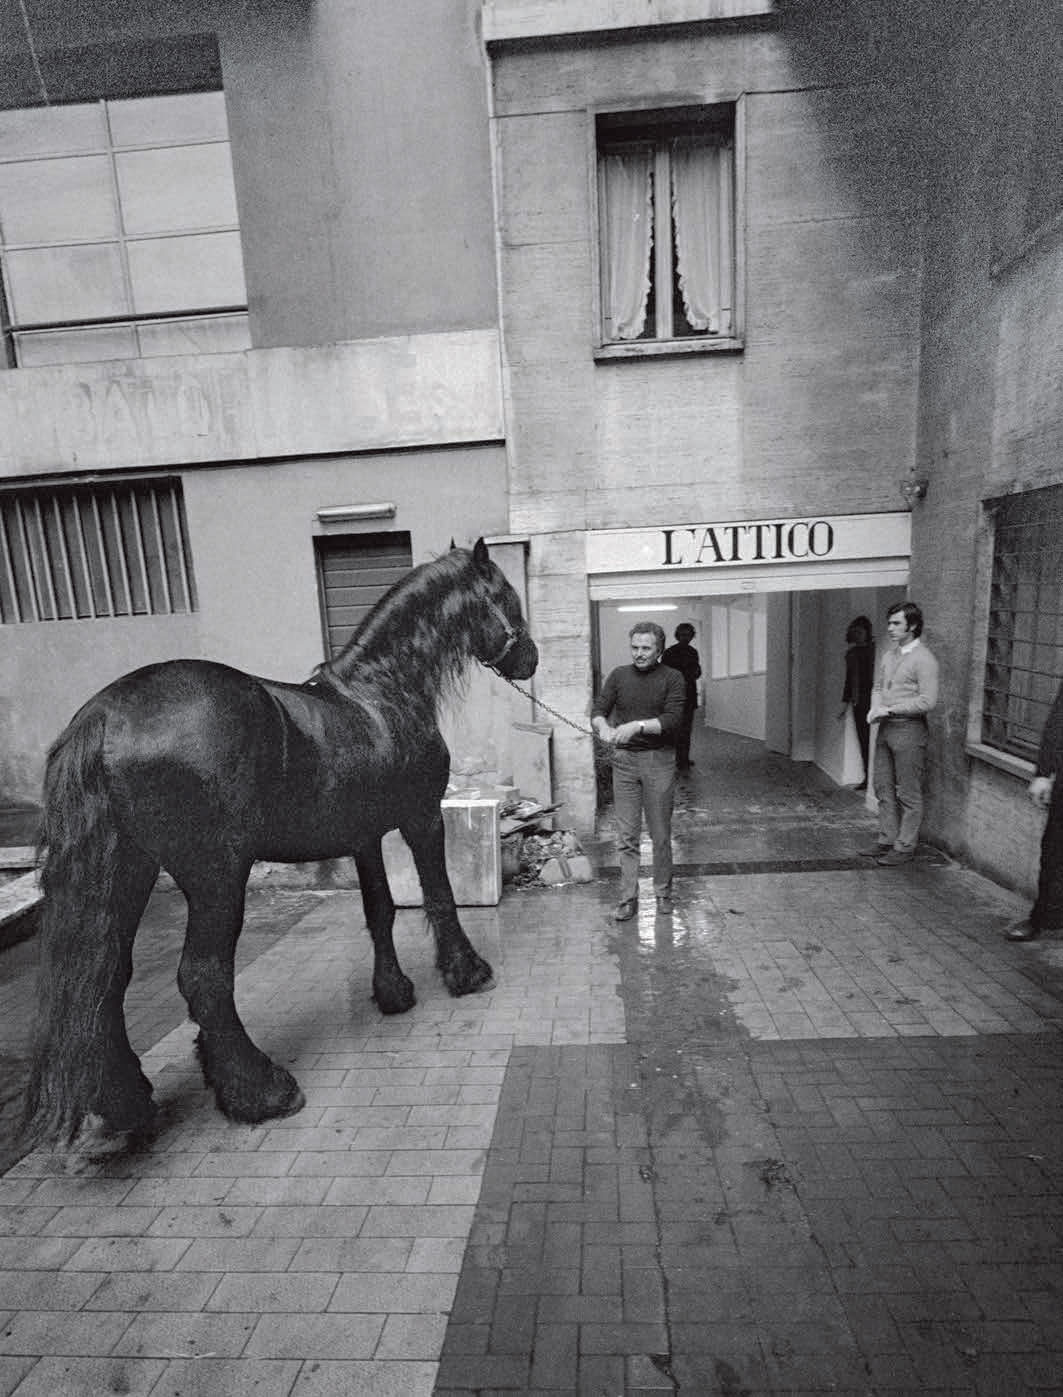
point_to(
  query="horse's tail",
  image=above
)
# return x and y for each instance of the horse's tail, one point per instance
(80, 957)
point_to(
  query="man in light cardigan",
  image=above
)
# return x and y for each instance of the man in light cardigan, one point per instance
(905, 692)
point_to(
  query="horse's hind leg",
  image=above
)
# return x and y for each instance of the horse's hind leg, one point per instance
(464, 971)
(87, 1084)
(247, 1085)
(392, 990)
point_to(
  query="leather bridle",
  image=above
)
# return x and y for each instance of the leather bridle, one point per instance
(513, 635)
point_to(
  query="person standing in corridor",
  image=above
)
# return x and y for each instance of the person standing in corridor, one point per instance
(906, 691)
(859, 681)
(1046, 790)
(683, 657)
(638, 712)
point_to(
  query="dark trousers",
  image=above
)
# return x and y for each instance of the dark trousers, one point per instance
(900, 769)
(1047, 913)
(644, 783)
(682, 736)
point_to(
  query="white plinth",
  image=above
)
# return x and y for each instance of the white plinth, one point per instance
(474, 855)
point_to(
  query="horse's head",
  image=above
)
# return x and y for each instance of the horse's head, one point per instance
(506, 645)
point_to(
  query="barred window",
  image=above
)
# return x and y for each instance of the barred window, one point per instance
(1024, 657)
(74, 552)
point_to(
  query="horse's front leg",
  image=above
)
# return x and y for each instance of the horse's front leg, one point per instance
(248, 1085)
(392, 990)
(464, 971)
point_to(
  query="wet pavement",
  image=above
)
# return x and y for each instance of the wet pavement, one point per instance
(804, 1136)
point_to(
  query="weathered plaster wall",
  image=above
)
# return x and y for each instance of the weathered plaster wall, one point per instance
(251, 531)
(360, 151)
(817, 414)
(991, 406)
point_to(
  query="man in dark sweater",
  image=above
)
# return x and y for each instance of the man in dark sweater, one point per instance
(1046, 790)
(638, 713)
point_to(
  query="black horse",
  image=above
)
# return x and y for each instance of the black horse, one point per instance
(200, 769)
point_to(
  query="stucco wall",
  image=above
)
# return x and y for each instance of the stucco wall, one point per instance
(818, 412)
(991, 408)
(251, 532)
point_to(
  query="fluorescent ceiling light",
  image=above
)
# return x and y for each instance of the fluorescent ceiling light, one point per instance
(651, 606)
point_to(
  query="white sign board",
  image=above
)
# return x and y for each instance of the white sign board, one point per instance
(748, 543)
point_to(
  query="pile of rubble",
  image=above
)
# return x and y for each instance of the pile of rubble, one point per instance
(535, 855)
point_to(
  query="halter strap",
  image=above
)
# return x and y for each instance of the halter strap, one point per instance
(513, 635)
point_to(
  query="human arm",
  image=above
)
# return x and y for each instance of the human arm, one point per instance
(850, 686)
(603, 706)
(877, 708)
(638, 727)
(1050, 754)
(672, 704)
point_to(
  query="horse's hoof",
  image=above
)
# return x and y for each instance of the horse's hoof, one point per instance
(280, 1095)
(97, 1140)
(470, 975)
(395, 997)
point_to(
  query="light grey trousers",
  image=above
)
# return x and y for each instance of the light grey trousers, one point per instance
(900, 771)
(644, 784)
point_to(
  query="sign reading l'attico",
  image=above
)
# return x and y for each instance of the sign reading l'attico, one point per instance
(740, 543)
(705, 544)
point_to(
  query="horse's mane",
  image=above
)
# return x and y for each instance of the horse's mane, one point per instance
(412, 648)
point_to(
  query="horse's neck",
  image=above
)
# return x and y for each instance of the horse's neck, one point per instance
(411, 650)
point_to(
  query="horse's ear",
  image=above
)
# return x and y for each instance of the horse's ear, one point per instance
(453, 545)
(480, 555)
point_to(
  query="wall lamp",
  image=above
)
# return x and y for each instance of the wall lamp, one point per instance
(349, 513)
(913, 489)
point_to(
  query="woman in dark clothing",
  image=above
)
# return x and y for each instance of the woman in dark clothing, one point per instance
(859, 678)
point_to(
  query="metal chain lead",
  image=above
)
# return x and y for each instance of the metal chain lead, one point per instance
(587, 732)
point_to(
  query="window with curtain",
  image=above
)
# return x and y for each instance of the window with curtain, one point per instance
(1024, 644)
(119, 236)
(666, 206)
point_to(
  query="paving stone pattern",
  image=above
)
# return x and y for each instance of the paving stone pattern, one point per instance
(803, 1137)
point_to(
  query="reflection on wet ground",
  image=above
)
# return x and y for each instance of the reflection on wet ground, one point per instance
(743, 807)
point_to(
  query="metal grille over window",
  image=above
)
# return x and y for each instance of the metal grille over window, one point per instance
(1024, 656)
(87, 553)
(119, 236)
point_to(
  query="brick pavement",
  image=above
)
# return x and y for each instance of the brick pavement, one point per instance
(807, 1137)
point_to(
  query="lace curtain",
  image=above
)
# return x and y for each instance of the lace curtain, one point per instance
(702, 209)
(628, 189)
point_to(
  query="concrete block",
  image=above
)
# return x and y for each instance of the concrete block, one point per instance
(474, 855)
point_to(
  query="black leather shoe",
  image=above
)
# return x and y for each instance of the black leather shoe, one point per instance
(875, 852)
(1022, 931)
(626, 910)
(664, 907)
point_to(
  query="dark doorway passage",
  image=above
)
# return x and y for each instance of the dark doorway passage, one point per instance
(743, 807)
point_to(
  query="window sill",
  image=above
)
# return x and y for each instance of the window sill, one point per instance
(1003, 761)
(660, 349)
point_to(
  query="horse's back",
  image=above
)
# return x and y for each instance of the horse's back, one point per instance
(182, 749)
